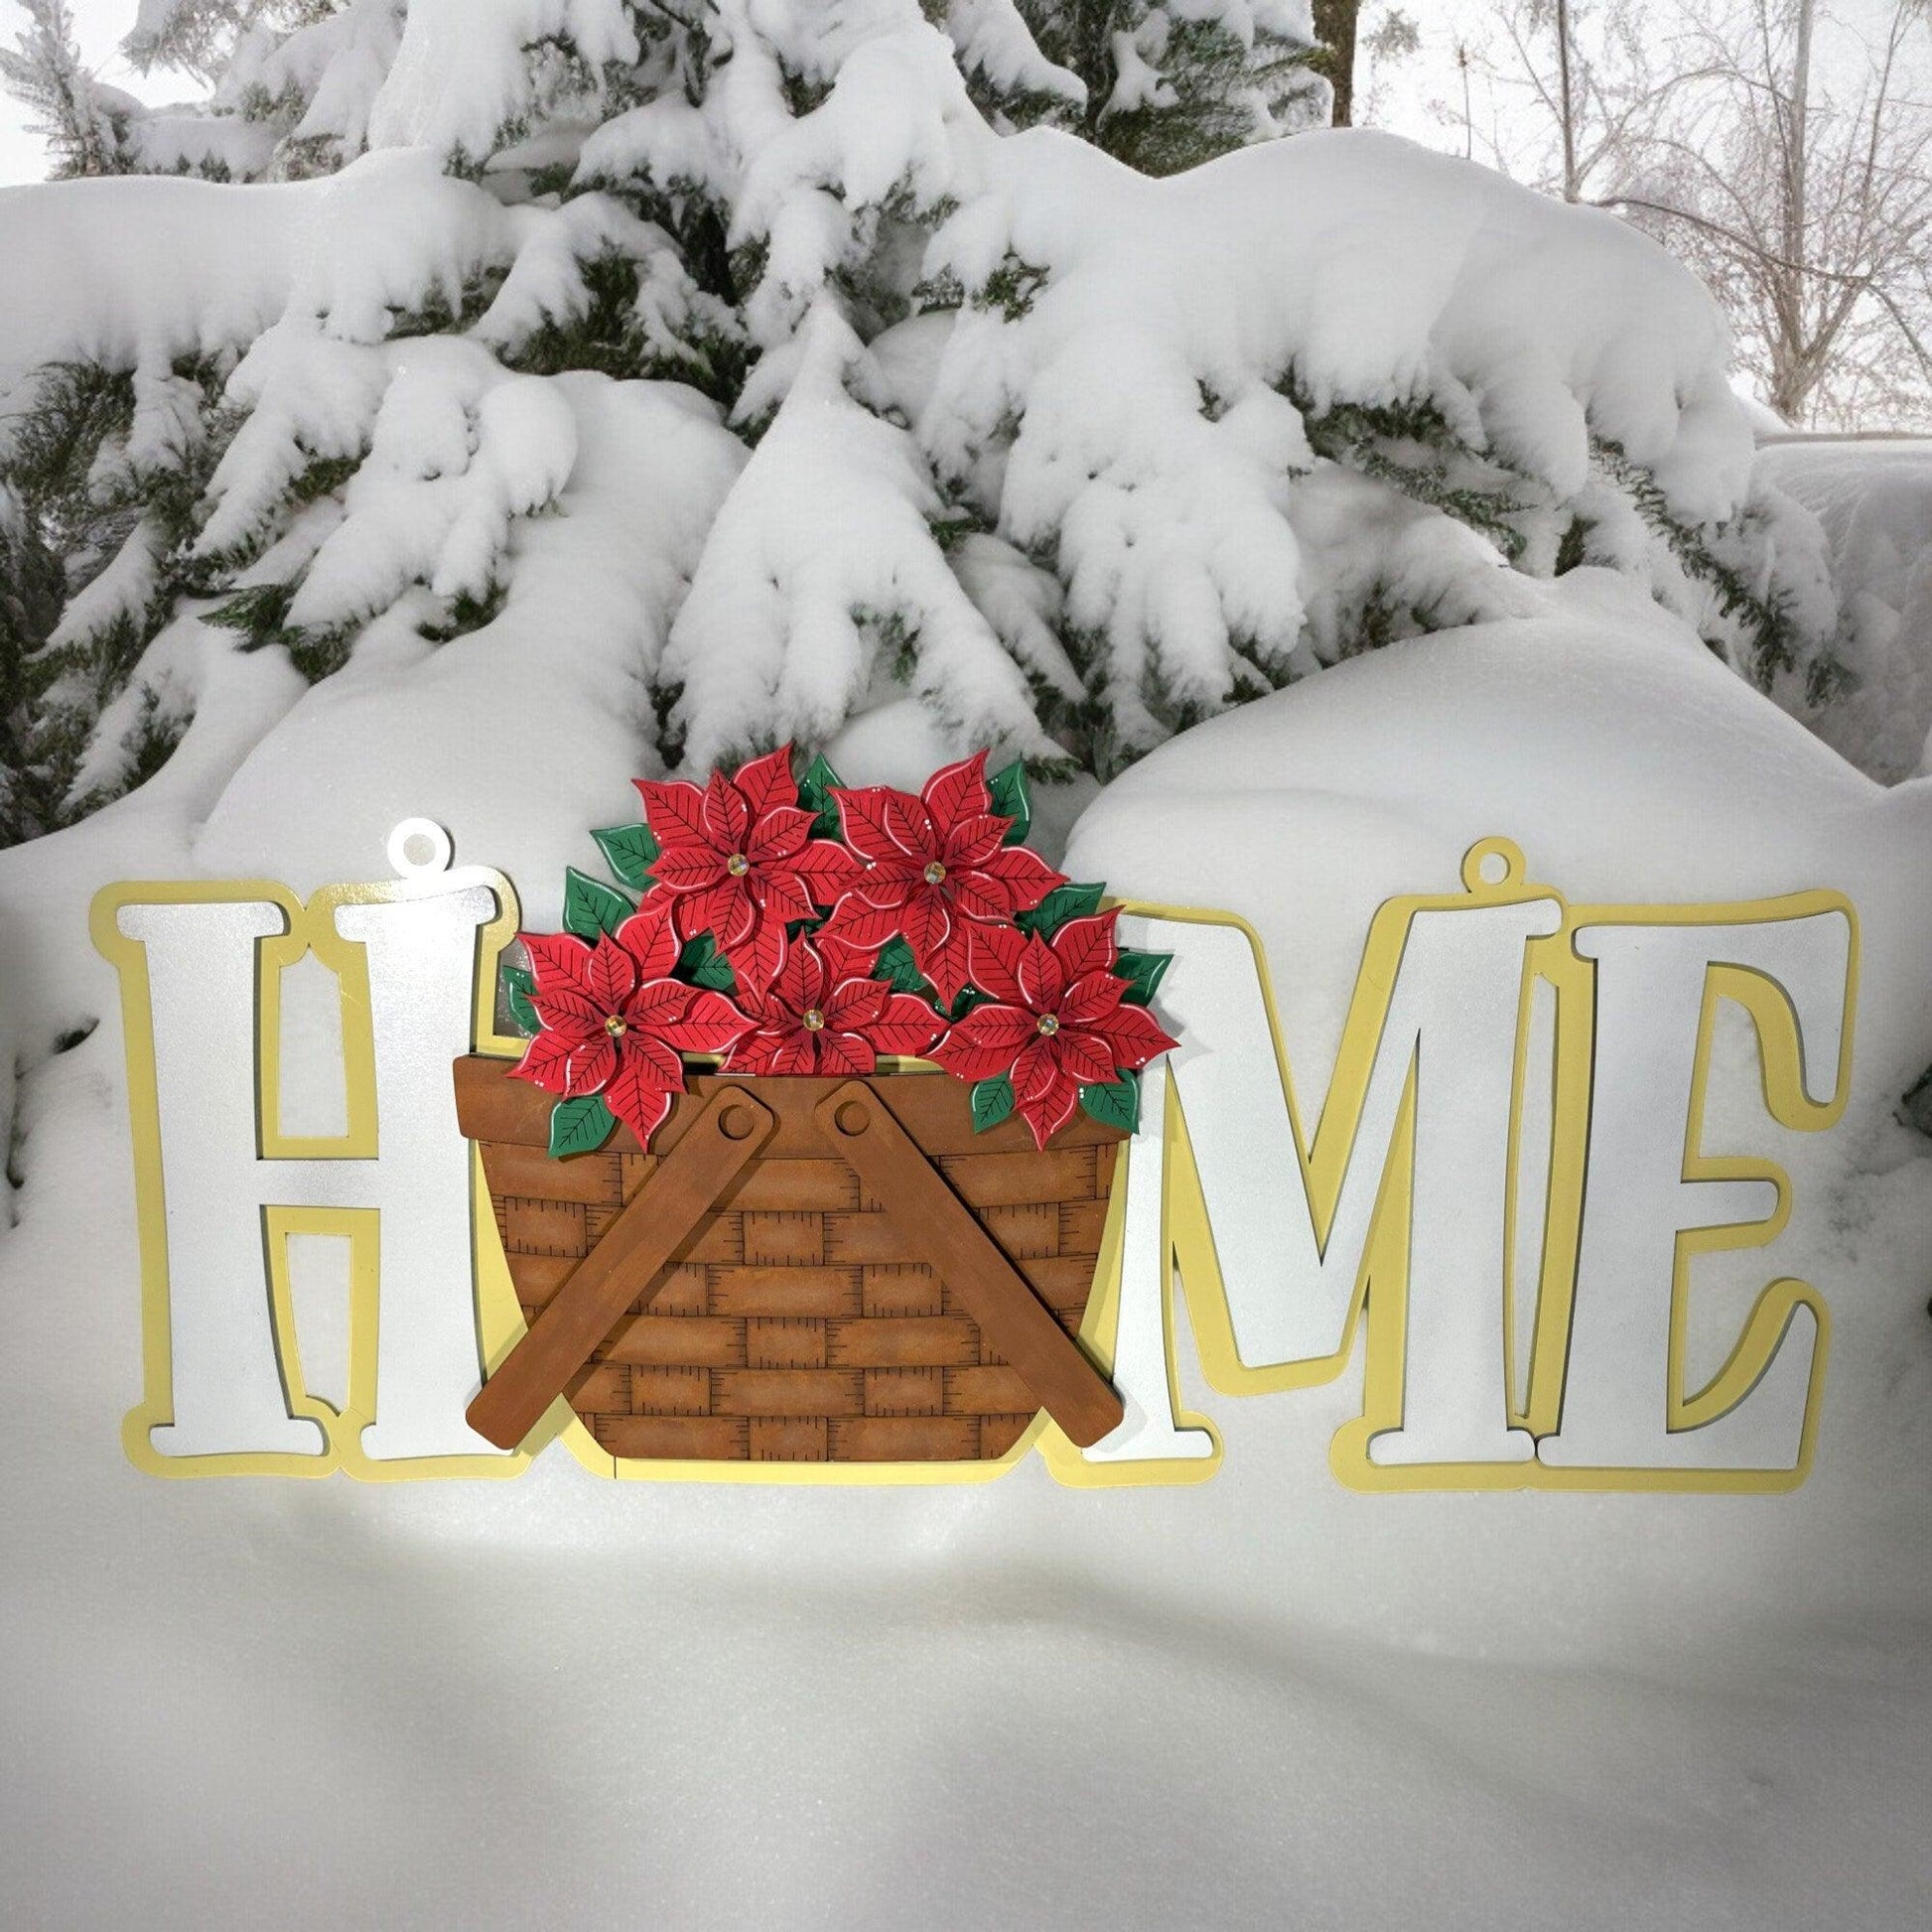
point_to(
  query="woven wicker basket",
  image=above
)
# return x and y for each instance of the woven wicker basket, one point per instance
(797, 1322)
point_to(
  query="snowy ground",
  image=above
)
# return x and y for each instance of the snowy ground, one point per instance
(1265, 1701)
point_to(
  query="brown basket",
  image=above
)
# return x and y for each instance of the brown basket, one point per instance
(797, 1322)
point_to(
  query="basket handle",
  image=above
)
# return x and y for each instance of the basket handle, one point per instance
(633, 1252)
(857, 1120)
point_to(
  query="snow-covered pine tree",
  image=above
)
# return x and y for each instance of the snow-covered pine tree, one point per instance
(734, 371)
(1171, 84)
(84, 123)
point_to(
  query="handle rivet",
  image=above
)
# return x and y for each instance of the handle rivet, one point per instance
(735, 1123)
(852, 1119)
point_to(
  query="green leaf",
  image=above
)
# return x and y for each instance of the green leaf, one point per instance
(1115, 1103)
(815, 790)
(1063, 902)
(579, 1126)
(518, 984)
(702, 964)
(630, 851)
(591, 907)
(992, 1102)
(1012, 800)
(1143, 972)
(899, 969)
(969, 998)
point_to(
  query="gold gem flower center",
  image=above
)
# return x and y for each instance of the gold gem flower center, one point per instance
(813, 1020)
(934, 872)
(614, 1026)
(1049, 1024)
(738, 865)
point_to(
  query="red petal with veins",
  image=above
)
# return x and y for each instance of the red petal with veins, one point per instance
(750, 1053)
(800, 982)
(768, 781)
(674, 812)
(904, 1026)
(650, 939)
(638, 1101)
(852, 1005)
(1086, 945)
(777, 834)
(974, 840)
(558, 959)
(591, 1064)
(975, 896)
(1036, 1069)
(545, 1062)
(827, 868)
(1086, 1056)
(985, 1041)
(783, 897)
(709, 1025)
(857, 924)
(948, 968)
(1052, 1112)
(656, 1004)
(926, 924)
(688, 869)
(957, 791)
(1088, 1002)
(1029, 876)
(613, 974)
(861, 814)
(726, 912)
(757, 957)
(727, 814)
(654, 1060)
(1041, 977)
(908, 827)
(795, 1054)
(846, 961)
(995, 954)
(844, 1053)
(565, 1011)
(1133, 1033)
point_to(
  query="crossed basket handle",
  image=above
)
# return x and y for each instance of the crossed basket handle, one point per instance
(659, 1222)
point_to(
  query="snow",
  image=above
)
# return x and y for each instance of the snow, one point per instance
(460, 76)
(1183, 526)
(992, 38)
(1266, 1699)
(142, 273)
(1874, 501)
(555, 684)
(819, 573)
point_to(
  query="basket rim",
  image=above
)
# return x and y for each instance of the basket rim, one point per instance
(491, 1106)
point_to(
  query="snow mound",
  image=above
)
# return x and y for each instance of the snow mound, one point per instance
(1627, 765)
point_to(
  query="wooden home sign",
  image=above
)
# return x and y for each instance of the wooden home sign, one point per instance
(805, 1253)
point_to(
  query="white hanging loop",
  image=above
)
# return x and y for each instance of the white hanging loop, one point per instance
(419, 848)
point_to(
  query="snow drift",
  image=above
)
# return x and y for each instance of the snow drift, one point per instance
(1647, 1706)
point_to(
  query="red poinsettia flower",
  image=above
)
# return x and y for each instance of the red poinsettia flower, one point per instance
(936, 867)
(616, 1022)
(812, 1019)
(1055, 1021)
(739, 861)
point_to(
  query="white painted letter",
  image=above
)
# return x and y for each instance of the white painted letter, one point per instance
(1650, 995)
